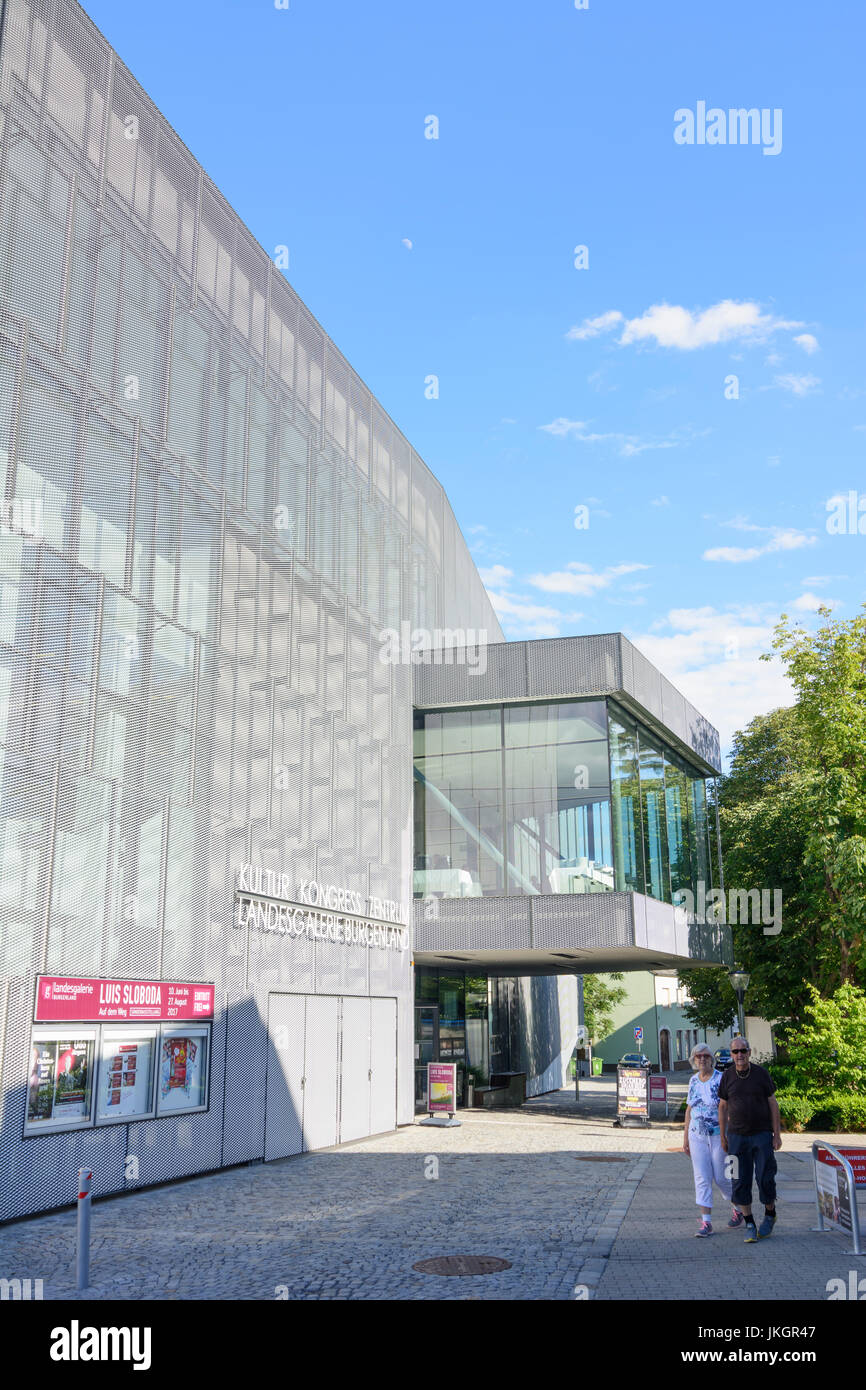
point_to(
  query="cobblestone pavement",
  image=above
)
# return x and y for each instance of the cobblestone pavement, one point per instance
(529, 1186)
(351, 1222)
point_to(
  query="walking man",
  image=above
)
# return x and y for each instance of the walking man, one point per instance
(751, 1131)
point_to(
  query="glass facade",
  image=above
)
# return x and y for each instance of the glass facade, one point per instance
(452, 1024)
(513, 799)
(568, 796)
(207, 523)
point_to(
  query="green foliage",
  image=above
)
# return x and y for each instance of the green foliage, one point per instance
(711, 1002)
(827, 1051)
(599, 1001)
(828, 672)
(792, 814)
(796, 1110)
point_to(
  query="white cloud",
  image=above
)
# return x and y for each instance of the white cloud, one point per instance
(590, 328)
(672, 325)
(660, 501)
(808, 342)
(407, 243)
(578, 578)
(521, 618)
(712, 656)
(810, 603)
(629, 444)
(797, 385)
(495, 575)
(781, 538)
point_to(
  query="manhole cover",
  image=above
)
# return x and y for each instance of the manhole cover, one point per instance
(599, 1158)
(462, 1264)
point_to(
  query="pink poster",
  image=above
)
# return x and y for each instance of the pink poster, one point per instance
(60, 998)
(442, 1087)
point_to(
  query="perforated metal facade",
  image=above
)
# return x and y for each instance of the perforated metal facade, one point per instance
(189, 647)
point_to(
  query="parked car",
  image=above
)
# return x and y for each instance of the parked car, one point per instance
(723, 1057)
(636, 1059)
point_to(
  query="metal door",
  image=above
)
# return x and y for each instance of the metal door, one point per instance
(355, 1070)
(284, 1107)
(383, 1065)
(320, 1071)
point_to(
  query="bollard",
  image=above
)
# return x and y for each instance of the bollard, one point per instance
(82, 1254)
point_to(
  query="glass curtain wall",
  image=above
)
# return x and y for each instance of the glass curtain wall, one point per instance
(512, 800)
(664, 815)
(568, 796)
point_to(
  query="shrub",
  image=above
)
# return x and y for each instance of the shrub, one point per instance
(840, 1111)
(796, 1110)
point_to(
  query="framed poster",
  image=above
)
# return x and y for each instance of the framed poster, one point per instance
(60, 1080)
(127, 1066)
(184, 1059)
(441, 1087)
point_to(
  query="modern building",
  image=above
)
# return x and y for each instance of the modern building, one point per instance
(219, 560)
(563, 799)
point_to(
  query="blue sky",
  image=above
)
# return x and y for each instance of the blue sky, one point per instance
(560, 387)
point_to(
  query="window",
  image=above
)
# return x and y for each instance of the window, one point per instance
(60, 1079)
(183, 1070)
(126, 1075)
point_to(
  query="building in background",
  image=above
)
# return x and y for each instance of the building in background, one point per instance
(655, 1003)
(205, 764)
(217, 553)
(563, 797)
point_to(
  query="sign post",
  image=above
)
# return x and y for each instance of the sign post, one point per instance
(658, 1090)
(632, 1105)
(441, 1094)
(638, 1034)
(838, 1174)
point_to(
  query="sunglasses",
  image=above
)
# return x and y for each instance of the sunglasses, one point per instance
(739, 1051)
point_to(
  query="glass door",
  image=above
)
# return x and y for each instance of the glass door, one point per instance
(426, 1048)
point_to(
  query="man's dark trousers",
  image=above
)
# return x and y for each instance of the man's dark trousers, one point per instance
(754, 1154)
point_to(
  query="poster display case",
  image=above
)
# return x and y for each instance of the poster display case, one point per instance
(183, 1069)
(60, 1079)
(126, 1075)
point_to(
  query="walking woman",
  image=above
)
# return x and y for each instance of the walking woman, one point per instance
(702, 1139)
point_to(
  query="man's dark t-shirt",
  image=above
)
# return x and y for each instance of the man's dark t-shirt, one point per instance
(748, 1106)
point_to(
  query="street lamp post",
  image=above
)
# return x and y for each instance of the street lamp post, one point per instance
(740, 983)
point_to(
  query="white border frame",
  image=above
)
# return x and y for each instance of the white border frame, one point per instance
(184, 1030)
(134, 1033)
(50, 1032)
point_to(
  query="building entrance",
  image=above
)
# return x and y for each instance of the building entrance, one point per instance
(332, 1071)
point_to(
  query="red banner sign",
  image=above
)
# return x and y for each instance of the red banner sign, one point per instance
(856, 1157)
(658, 1088)
(70, 998)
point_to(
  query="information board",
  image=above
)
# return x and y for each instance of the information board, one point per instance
(631, 1092)
(442, 1087)
(62, 998)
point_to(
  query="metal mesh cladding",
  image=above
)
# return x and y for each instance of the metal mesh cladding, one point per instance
(190, 637)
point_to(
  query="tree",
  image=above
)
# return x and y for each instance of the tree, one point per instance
(828, 672)
(792, 814)
(827, 1052)
(599, 1001)
(711, 1002)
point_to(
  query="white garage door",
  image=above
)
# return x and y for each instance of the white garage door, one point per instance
(316, 1042)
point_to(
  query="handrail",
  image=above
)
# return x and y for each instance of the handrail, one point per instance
(852, 1188)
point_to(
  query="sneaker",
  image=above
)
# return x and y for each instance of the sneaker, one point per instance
(737, 1218)
(705, 1228)
(751, 1230)
(765, 1230)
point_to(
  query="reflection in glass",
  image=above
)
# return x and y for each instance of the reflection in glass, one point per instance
(625, 797)
(652, 786)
